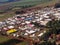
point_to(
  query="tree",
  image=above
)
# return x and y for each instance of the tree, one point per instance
(19, 12)
(57, 5)
(47, 43)
(54, 26)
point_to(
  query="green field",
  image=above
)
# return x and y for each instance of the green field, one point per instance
(9, 41)
(27, 2)
(3, 39)
(24, 3)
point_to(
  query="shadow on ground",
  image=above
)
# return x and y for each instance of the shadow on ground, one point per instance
(11, 42)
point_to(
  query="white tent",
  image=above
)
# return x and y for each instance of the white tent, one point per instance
(26, 34)
(32, 35)
(40, 34)
(10, 27)
(30, 32)
(27, 22)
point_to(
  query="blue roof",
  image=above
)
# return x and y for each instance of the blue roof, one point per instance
(29, 18)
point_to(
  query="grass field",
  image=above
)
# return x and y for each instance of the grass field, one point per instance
(3, 39)
(21, 3)
(5, 16)
(24, 2)
(29, 2)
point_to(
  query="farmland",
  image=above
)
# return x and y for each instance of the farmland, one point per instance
(22, 3)
(30, 2)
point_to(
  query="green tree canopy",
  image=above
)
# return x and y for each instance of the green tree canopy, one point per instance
(54, 26)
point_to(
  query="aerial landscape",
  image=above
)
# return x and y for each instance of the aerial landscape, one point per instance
(29, 22)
